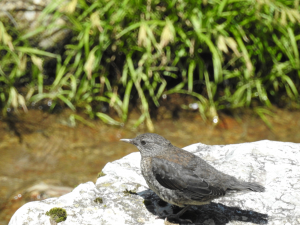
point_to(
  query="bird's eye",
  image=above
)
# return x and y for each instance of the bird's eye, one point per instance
(143, 142)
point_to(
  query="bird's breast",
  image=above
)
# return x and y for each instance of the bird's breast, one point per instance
(164, 193)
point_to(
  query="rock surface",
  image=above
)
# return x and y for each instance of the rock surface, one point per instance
(122, 195)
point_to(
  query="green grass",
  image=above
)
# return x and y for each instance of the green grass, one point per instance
(226, 54)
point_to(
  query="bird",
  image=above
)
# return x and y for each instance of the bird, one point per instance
(182, 178)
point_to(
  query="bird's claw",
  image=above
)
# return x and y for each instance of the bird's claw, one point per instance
(176, 218)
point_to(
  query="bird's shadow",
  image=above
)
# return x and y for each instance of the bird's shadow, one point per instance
(214, 213)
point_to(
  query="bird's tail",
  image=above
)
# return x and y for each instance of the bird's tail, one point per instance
(253, 186)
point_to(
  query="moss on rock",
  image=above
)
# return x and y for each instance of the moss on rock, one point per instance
(57, 214)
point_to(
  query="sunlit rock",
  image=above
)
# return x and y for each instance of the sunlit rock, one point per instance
(121, 196)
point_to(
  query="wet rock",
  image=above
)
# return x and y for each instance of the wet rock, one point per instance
(121, 196)
(43, 190)
(36, 191)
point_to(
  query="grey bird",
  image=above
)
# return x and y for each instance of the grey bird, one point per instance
(182, 178)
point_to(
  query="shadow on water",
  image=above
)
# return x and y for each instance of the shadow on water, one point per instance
(211, 214)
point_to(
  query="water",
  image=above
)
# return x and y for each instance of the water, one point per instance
(39, 147)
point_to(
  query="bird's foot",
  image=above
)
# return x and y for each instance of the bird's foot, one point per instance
(176, 218)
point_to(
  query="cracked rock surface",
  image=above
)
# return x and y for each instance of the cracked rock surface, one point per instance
(122, 195)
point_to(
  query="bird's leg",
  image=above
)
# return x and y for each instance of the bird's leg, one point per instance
(176, 216)
(183, 211)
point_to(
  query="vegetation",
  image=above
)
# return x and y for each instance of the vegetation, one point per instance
(57, 214)
(101, 174)
(98, 200)
(226, 54)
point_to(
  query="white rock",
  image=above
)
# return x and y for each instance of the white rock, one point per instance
(276, 165)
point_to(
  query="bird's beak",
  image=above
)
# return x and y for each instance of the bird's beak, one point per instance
(127, 140)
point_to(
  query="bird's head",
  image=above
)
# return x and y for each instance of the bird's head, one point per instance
(149, 144)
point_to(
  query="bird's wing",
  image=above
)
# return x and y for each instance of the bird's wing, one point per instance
(177, 177)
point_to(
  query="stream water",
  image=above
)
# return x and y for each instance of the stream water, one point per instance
(43, 156)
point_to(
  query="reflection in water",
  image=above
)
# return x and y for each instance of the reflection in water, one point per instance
(39, 147)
